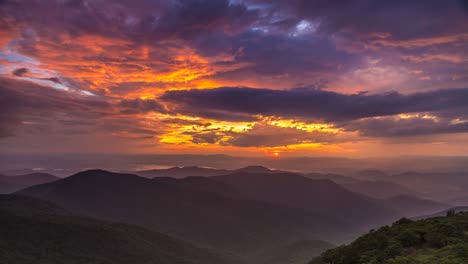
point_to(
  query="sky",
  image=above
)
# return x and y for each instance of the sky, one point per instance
(275, 78)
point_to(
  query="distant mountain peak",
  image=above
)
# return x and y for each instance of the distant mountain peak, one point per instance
(254, 169)
(92, 171)
(102, 175)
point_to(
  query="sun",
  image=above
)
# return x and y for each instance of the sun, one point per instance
(276, 154)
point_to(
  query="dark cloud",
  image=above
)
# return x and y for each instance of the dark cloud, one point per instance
(135, 106)
(142, 21)
(53, 79)
(402, 19)
(28, 108)
(464, 4)
(36, 108)
(20, 72)
(276, 54)
(257, 38)
(397, 127)
(192, 18)
(209, 137)
(317, 105)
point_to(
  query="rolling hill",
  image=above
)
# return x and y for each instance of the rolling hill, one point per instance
(33, 231)
(447, 187)
(377, 188)
(243, 213)
(411, 206)
(320, 196)
(242, 226)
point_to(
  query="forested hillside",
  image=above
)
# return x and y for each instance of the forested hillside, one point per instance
(439, 240)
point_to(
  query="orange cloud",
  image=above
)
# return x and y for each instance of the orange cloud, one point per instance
(122, 68)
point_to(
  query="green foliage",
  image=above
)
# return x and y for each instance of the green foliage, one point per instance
(440, 240)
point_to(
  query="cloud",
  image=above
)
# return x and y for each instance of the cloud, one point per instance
(403, 127)
(27, 107)
(20, 72)
(209, 137)
(125, 52)
(311, 104)
(281, 54)
(464, 4)
(192, 18)
(263, 135)
(134, 106)
(104, 45)
(401, 19)
(23, 72)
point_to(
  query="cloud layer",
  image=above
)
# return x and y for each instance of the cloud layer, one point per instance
(232, 75)
(316, 105)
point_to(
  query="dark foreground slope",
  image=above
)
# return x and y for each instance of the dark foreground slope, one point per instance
(33, 231)
(440, 240)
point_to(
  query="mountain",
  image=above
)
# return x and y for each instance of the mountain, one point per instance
(226, 186)
(242, 226)
(182, 172)
(457, 209)
(299, 252)
(379, 188)
(206, 184)
(338, 178)
(371, 175)
(319, 196)
(329, 198)
(445, 187)
(9, 184)
(243, 213)
(38, 232)
(412, 206)
(459, 200)
(255, 169)
(440, 240)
